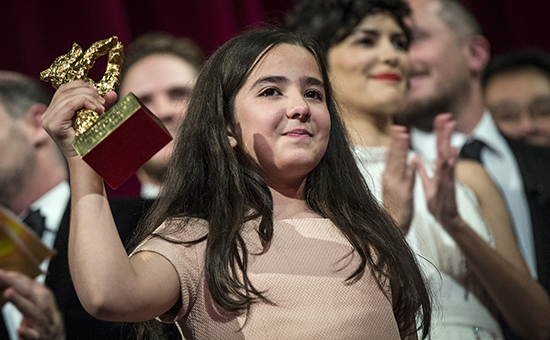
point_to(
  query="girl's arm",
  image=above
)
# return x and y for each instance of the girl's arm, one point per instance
(502, 272)
(110, 285)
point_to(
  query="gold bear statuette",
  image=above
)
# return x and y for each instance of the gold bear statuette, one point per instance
(76, 64)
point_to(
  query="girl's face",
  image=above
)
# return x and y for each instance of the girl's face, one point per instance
(370, 67)
(282, 119)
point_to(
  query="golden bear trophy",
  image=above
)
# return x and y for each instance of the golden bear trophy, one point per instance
(117, 143)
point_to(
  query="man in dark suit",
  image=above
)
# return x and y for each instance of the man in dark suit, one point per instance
(33, 184)
(516, 89)
(534, 164)
(448, 54)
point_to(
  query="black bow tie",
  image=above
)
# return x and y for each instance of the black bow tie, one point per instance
(36, 222)
(472, 150)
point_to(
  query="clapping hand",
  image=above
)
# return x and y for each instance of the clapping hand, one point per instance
(398, 179)
(440, 189)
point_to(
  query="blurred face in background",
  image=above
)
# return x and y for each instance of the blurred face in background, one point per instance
(440, 68)
(17, 156)
(370, 67)
(163, 82)
(519, 101)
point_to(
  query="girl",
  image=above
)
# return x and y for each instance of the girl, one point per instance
(265, 228)
(475, 267)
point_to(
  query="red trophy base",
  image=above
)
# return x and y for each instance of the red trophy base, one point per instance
(122, 140)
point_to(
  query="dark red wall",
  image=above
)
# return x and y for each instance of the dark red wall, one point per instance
(34, 32)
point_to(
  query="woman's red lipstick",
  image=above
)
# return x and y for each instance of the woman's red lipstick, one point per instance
(387, 76)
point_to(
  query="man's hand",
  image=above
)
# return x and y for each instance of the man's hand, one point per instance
(42, 320)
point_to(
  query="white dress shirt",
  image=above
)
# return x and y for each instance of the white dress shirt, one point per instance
(499, 161)
(52, 206)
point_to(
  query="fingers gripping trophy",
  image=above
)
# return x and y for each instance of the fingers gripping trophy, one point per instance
(117, 143)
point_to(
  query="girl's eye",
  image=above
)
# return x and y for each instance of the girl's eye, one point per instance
(270, 92)
(366, 41)
(315, 94)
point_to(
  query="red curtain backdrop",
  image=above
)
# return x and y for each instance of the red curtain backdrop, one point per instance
(34, 32)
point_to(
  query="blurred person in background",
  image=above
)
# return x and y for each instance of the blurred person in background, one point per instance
(160, 70)
(33, 184)
(448, 55)
(516, 88)
(366, 44)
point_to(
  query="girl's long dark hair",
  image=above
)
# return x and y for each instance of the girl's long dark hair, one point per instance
(209, 179)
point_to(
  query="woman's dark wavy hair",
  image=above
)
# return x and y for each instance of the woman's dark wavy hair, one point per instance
(210, 180)
(331, 21)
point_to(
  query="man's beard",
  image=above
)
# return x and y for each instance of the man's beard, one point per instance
(420, 113)
(11, 183)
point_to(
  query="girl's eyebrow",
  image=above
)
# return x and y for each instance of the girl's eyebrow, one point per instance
(311, 81)
(306, 80)
(271, 79)
(375, 32)
(366, 31)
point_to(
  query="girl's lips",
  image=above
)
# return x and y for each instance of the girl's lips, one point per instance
(297, 132)
(387, 76)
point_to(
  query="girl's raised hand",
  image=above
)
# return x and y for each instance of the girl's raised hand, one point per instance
(398, 179)
(69, 98)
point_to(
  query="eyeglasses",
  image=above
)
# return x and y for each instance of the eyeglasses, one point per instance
(511, 111)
